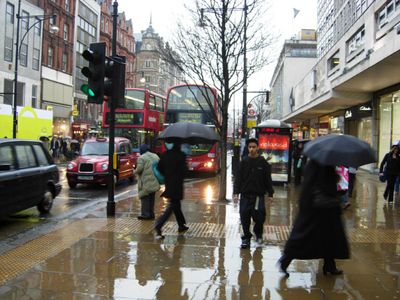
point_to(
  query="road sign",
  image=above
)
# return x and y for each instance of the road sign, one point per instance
(251, 112)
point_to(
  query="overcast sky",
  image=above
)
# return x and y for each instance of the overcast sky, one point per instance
(165, 14)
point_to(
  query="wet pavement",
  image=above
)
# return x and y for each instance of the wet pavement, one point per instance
(118, 258)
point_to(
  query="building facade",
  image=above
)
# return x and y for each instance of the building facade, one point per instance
(355, 85)
(297, 57)
(151, 70)
(125, 39)
(57, 63)
(30, 49)
(87, 31)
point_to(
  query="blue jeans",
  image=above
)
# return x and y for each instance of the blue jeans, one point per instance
(396, 185)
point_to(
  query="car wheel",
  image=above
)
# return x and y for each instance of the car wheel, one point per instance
(47, 202)
(72, 184)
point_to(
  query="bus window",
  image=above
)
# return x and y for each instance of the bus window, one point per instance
(159, 104)
(152, 102)
(134, 99)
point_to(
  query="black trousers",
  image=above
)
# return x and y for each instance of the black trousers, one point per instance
(391, 180)
(352, 179)
(252, 207)
(147, 209)
(174, 206)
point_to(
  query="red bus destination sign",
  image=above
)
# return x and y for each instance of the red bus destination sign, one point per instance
(126, 119)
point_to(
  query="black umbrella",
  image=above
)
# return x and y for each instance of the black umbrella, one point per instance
(192, 133)
(340, 150)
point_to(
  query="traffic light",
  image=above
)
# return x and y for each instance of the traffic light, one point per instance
(94, 89)
(114, 80)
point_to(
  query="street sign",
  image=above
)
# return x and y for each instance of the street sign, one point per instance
(251, 123)
(251, 112)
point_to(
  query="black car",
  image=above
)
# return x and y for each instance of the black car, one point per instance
(28, 176)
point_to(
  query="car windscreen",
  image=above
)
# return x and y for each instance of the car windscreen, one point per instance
(98, 148)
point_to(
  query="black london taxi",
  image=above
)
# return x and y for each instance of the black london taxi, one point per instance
(28, 176)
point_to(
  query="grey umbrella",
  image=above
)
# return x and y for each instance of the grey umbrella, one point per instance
(192, 133)
(340, 150)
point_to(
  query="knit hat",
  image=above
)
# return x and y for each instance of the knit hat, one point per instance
(143, 148)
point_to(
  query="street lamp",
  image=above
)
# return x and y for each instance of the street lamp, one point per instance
(53, 29)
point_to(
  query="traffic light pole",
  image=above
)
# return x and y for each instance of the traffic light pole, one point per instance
(112, 105)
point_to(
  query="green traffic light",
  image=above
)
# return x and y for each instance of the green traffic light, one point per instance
(87, 90)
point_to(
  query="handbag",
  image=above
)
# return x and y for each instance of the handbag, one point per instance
(322, 200)
(160, 178)
(383, 177)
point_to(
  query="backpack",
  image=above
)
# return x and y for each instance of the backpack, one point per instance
(157, 174)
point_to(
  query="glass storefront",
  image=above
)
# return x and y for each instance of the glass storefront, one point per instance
(389, 122)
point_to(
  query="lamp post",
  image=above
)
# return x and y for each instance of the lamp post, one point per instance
(244, 116)
(53, 29)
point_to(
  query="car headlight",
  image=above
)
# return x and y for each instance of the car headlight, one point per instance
(208, 164)
(104, 166)
(70, 166)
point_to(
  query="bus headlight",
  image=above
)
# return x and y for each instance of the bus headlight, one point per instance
(104, 166)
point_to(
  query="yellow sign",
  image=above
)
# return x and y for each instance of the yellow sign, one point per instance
(251, 123)
(75, 113)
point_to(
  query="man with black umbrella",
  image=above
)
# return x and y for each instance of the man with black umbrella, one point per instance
(172, 165)
(252, 182)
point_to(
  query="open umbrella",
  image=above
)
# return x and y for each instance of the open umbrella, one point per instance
(340, 150)
(191, 133)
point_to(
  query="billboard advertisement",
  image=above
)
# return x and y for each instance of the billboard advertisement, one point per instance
(275, 149)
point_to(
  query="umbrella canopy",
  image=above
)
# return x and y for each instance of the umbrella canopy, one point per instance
(192, 133)
(340, 150)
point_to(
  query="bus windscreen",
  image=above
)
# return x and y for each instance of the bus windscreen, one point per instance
(134, 99)
(189, 98)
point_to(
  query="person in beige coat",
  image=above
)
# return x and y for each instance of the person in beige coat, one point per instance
(147, 183)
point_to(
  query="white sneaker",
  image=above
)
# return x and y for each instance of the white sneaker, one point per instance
(259, 242)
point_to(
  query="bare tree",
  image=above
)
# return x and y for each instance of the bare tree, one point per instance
(210, 50)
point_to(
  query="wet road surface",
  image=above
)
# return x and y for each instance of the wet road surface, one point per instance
(118, 258)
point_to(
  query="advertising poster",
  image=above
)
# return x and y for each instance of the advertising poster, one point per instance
(275, 149)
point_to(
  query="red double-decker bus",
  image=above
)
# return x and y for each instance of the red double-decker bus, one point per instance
(188, 103)
(141, 120)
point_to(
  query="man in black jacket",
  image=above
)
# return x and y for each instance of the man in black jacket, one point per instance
(252, 182)
(172, 165)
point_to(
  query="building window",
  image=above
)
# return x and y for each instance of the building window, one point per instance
(38, 27)
(50, 57)
(24, 21)
(10, 13)
(8, 90)
(34, 96)
(23, 55)
(386, 13)
(64, 62)
(35, 59)
(333, 61)
(67, 5)
(147, 64)
(52, 21)
(356, 42)
(8, 49)
(65, 32)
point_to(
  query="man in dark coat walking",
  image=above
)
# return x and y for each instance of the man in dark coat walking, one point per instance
(172, 165)
(252, 182)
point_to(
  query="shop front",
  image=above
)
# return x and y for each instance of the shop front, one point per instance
(389, 119)
(358, 121)
(80, 130)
